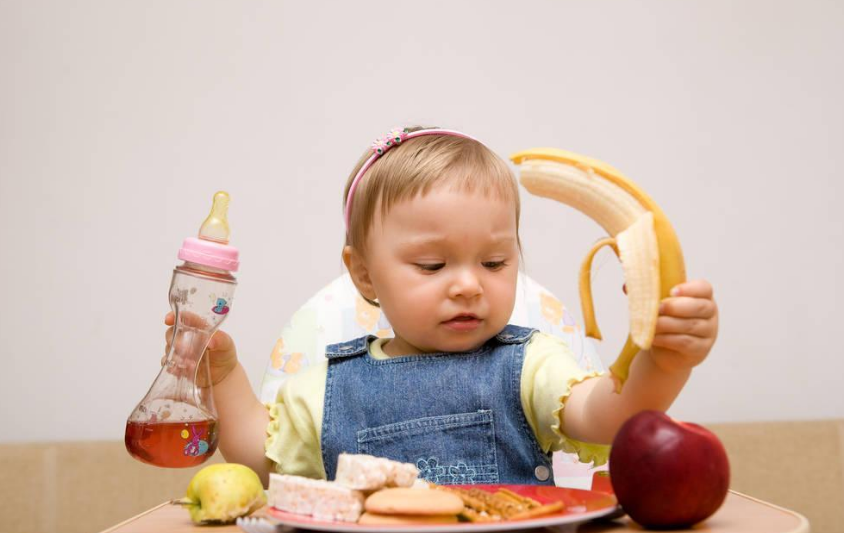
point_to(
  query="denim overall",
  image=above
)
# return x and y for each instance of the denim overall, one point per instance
(457, 416)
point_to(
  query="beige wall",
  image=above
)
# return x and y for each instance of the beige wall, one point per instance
(118, 121)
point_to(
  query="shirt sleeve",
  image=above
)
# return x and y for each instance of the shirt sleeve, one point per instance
(293, 433)
(549, 371)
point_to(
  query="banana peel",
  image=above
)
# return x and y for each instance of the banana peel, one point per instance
(639, 233)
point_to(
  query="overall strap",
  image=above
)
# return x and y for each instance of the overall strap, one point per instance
(350, 348)
(514, 334)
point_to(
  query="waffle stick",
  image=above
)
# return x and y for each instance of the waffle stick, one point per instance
(473, 516)
(497, 504)
(509, 498)
(536, 512)
(474, 510)
(483, 506)
(530, 503)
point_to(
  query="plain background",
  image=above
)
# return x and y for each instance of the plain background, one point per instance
(119, 120)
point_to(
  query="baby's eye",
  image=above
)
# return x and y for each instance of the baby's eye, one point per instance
(430, 267)
(494, 265)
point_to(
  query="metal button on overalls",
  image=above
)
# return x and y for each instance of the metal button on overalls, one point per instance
(542, 473)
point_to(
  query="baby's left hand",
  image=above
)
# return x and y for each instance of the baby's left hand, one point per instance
(687, 326)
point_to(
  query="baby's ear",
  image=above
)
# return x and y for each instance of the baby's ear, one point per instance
(360, 273)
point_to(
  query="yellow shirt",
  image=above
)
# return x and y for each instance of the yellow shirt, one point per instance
(548, 373)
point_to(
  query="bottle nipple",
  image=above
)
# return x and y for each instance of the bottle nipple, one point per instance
(212, 248)
(216, 226)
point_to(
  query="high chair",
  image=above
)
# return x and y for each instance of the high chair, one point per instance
(337, 313)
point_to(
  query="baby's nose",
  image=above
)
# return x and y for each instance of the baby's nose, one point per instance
(465, 284)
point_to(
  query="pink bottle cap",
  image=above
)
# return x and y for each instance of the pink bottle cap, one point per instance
(212, 247)
(210, 254)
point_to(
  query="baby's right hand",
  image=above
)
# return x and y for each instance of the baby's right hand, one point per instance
(221, 352)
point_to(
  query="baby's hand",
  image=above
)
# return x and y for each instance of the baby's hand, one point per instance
(221, 352)
(687, 326)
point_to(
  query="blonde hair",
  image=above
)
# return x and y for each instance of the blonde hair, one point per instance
(414, 168)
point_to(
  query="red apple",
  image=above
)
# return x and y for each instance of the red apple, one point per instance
(668, 474)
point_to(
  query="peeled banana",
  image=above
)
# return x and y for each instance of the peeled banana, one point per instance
(639, 233)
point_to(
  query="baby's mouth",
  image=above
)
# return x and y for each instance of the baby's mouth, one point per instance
(463, 322)
(463, 317)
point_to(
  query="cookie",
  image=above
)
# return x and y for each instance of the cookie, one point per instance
(372, 519)
(406, 501)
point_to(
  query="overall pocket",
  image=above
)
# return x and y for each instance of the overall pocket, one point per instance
(456, 449)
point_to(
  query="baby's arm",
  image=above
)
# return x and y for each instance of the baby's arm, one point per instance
(685, 332)
(243, 423)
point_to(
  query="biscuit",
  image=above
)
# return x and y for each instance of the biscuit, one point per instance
(324, 500)
(406, 501)
(365, 472)
(372, 519)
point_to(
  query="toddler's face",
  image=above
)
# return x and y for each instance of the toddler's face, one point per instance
(443, 267)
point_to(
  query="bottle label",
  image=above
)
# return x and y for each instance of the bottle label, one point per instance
(221, 308)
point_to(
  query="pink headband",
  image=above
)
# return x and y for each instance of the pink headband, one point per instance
(382, 145)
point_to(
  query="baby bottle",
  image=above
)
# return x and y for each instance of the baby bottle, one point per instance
(175, 424)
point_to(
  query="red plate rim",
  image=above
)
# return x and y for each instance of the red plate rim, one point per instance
(581, 506)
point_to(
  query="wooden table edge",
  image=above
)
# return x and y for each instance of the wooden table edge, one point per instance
(802, 526)
(132, 519)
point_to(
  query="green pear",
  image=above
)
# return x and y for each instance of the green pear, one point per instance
(223, 492)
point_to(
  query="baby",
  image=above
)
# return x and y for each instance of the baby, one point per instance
(432, 238)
